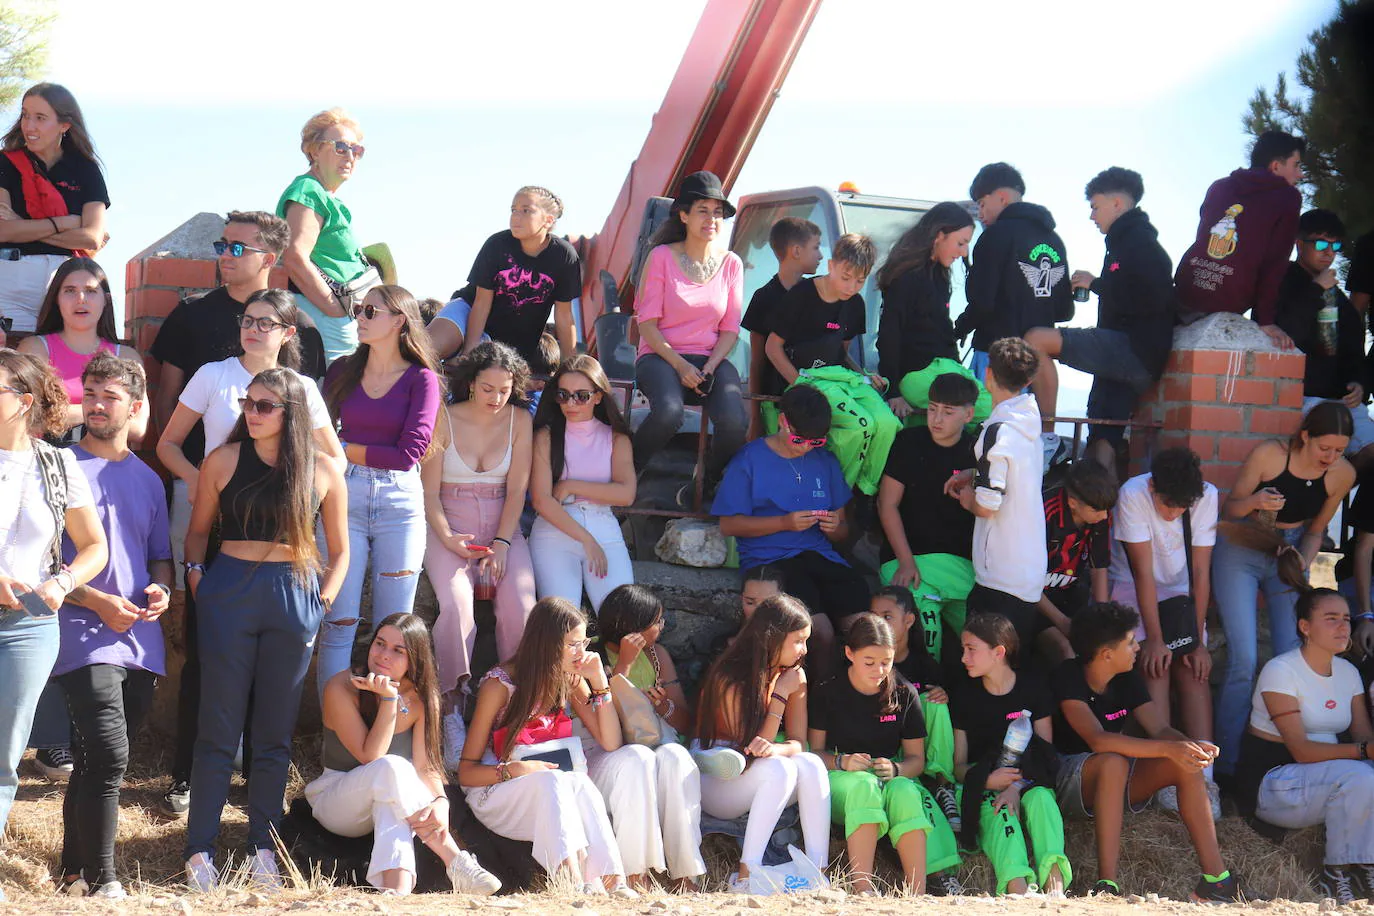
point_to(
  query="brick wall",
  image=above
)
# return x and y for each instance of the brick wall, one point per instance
(1220, 403)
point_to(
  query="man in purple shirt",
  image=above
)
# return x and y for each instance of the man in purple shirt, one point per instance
(111, 652)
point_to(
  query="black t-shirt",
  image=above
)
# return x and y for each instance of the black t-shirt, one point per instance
(1361, 278)
(814, 330)
(524, 288)
(77, 179)
(920, 670)
(205, 329)
(1125, 694)
(934, 523)
(855, 723)
(1072, 550)
(761, 318)
(984, 718)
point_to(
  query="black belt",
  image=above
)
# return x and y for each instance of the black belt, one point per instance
(10, 254)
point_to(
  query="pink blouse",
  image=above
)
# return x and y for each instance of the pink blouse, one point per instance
(68, 365)
(691, 316)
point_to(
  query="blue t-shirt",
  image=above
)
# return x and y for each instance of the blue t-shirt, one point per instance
(761, 483)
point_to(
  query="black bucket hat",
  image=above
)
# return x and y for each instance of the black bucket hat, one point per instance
(702, 186)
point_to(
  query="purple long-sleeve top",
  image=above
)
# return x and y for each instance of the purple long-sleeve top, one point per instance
(397, 427)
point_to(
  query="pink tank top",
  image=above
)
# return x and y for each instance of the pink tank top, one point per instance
(68, 364)
(587, 446)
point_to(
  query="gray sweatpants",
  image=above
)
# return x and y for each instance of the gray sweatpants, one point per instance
(1338, 793)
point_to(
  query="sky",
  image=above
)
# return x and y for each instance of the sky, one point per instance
(198, 107)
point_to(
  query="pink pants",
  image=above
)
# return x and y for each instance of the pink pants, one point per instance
(475, 509)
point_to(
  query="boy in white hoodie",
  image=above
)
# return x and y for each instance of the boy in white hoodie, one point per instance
(1003, 493)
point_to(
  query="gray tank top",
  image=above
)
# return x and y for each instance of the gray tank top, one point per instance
(336, 756)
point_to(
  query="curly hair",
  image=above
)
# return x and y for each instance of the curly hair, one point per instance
(1012, 362)
(34, 376)
(490, 354)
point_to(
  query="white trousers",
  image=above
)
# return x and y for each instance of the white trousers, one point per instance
(560, 563)
(763, 790)
(561, 813)
(23, 283)
(376, 797)
(654, 798)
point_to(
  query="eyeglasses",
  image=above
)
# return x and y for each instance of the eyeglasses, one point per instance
(581, 396)
(1323, 244)
(235, 249)
(803, 440)
(579, 645)
(343, 148)
(14, 391)
(265, 325)
(260, 406)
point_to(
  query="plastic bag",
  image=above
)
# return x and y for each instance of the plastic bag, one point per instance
(797, 876)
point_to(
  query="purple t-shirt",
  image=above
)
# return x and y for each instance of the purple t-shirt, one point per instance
(131, 502)
(396, 427)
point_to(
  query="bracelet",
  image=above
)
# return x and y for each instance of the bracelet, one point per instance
(1364, 750)
(672, 708)
(55, 228)
(1021, 785)
(500, 541)
(777, 714)
(503, 771)
(194, 567)
(64, 571)
(1367, 615)
(164, 589)
(839, 761)
(388, 699)
(779, 697)
(599, 700)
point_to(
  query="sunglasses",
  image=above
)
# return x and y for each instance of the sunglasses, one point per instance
(581, 396)
(235, 249)
(1323, 244)
(265, 325)
(14, 391)
(343, 148)
(803, 440)
(260, 406)
(371, 311)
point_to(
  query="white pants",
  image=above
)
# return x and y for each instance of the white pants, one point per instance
(23, 283)
(763, 790)
(561, 813)
(1337, 793)
(654, 798)
(376, 797)
(560, 563)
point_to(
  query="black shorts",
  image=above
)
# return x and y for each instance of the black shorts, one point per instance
(1022, 614)
(824, 586)
(1069, 601)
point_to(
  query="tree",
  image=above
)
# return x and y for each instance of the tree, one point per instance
(23, 47)
(1335, 113)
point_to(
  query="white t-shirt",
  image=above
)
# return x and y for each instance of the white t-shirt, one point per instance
(1323, 702)
(1009, 547)
(214, 392)
(1135, 521)
(27, 559)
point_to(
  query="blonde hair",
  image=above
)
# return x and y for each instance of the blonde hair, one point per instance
(319, 123)
(545, 199)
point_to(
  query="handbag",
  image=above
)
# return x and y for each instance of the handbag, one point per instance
(639, 722)
(1178, 615)
(350, 294)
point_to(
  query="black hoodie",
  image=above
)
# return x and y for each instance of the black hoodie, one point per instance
(1019, 279)
(914, 327)
(1136, 289)
(1327, 373)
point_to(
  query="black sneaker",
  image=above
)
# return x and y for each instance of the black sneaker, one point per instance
(1227, 890)
(1364, 880)
(1105, 887)
(944, 884)
(949, 804)
(55, 763)
(1336, 883)
(177, 801)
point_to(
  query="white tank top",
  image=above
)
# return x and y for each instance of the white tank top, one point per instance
(456, 470)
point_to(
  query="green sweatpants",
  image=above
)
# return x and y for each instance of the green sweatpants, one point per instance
(946, 581)
(939, 740)
(862, 426)
(915, 388)
(898, 806)
(1002, 838)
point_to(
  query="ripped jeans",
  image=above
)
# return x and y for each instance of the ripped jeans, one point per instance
(386, 541)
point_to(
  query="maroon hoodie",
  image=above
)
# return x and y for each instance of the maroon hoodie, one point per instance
(1249, 221)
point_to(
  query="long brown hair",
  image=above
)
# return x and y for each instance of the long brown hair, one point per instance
(550, 413)
(284, 312)
(34, 376)
(76, 140)
(50, 313)
(490, 354)
(745, 669)
(541, 684)
(868, 631)
(414, 344)
(286, 493)
(913, 250)
(424, 677)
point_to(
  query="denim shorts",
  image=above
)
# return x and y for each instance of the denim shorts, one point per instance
(1069, 787)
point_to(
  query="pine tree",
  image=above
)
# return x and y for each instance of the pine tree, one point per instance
(23, 48)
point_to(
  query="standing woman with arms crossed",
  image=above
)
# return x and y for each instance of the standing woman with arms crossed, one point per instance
(52, 199)
(386, 396)
(328, 271)
(45, 495)
(259, 606)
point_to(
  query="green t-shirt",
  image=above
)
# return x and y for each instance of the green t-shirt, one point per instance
(336, 252)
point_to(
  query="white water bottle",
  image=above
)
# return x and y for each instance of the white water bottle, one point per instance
(1017, 739)
(1327, 317)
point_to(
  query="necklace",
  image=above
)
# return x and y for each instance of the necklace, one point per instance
(796, 471)
(698, 271)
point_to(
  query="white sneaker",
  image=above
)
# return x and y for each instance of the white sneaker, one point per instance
(200, 873)
(738, 885)
(1167, 799)
(719, 762)
(263, 871)
(624, 892)
(455, 735)
(469, 877)
(111, 890)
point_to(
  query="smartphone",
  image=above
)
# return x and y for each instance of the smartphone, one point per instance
(34, 605)
(478, 548)
(821, 513)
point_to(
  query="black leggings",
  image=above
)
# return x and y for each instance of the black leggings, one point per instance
(824, 586)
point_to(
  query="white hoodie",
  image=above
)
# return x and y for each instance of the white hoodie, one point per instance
(1009, 547)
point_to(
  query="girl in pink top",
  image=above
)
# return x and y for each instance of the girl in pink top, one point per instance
(75, 322)
(688, 312)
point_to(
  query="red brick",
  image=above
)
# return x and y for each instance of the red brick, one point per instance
(133, 275)
(1221, 476)
(1200, 362)
(1290, 394)
(1280, 365)
(277, 278)
(150, 303)
(179, 272)
(1236, 448)
(1203, 444)
(1190, 388)
(147, 333)
(1200, 417)
(1249, 391)
(1275, 421)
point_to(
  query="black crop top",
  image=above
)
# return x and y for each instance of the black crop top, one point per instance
(1303, 499)
(244, 514)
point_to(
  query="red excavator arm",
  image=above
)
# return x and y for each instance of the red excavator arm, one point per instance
(730, 74)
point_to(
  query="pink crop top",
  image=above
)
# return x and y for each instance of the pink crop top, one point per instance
(68, 364)
(587, 446)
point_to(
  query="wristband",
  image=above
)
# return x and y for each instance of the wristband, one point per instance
(1367, 615)
(1021, 785)
(194, 567)
(388, 699)
(500, 541)
(839, 761)
(779, 697)
(164, 589)
(55, 228)
(1364, 749)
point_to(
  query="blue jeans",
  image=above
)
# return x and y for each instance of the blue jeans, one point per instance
(28, 650)
(1238, 575)
(256, 629)
(386, 532)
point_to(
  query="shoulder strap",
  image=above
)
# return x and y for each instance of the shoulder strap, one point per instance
(54, 473)
(1188, 543)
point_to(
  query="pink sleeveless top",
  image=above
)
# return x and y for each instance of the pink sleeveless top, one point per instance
(68, 364)
(587, 446)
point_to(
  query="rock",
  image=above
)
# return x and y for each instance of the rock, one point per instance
(184, 908)
(832, 895)
(256, 900)
(299, 905)
(1223, 331)
(754, 903)
(1151, 898)
(1134, 898)
(1327, 905)
(692, 542)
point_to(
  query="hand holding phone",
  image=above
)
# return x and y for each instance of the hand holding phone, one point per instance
(34, 605)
